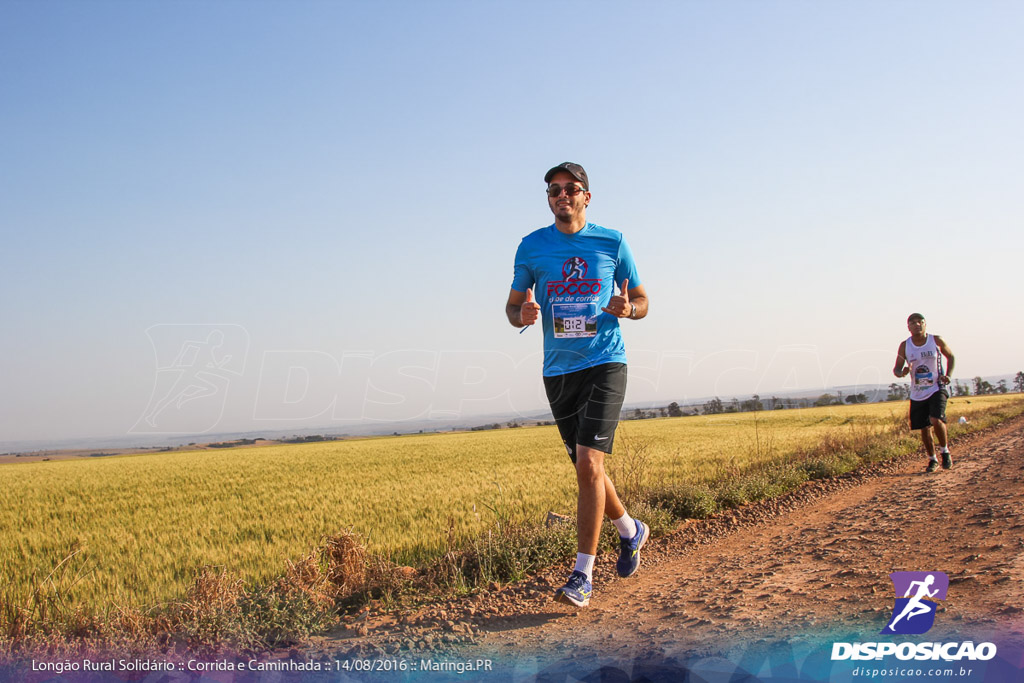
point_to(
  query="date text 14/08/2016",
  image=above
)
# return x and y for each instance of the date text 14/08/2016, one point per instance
(456, 666)
(280, 665)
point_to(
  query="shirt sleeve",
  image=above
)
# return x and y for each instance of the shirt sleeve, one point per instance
(522, 276)
(625, 268)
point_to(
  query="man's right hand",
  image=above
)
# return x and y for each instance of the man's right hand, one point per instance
(530, 310)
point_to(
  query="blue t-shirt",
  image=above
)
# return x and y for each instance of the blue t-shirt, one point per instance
(575, 276)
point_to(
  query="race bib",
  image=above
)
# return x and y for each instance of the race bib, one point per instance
(574, 320)
(923, 378)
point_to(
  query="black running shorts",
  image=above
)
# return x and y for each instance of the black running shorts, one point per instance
(586, 405)
(921, 412)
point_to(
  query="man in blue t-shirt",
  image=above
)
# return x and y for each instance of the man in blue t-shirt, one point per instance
(574, 267)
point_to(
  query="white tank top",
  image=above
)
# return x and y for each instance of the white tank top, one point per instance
(925, 368)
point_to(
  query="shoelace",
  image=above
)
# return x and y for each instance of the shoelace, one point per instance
(576, 581)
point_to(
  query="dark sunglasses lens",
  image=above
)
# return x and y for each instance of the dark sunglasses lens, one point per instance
(571, 190)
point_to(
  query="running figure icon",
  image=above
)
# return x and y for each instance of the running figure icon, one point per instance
(575, 269)
(196, 364)
(915, 606)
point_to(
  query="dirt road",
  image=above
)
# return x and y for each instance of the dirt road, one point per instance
(778, 581)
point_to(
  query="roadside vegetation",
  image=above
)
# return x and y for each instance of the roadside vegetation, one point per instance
(252, 549)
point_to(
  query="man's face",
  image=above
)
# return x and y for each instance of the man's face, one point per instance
(563, 206)
(916, 326)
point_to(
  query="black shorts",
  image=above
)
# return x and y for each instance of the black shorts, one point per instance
(921, 412)
(586, 405)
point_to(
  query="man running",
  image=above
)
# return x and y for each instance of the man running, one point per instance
(574, 267)
(919, 356)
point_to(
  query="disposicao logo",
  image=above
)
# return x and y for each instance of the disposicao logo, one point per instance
(917, 596)
(914, 612)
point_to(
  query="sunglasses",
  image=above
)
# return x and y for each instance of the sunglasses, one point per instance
(571, 190)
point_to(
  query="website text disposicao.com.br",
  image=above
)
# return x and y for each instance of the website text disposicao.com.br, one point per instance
(966, 652)
(910, 672)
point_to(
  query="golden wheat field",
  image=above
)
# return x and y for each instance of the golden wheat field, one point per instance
(143, 524)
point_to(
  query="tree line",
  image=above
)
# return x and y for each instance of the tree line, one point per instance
(897, 392)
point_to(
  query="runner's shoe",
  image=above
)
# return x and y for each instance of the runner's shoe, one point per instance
(629, 550)
(947, 460)
(576, 591)
(932, 466)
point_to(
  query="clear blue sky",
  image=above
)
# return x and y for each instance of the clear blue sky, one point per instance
(316, 180)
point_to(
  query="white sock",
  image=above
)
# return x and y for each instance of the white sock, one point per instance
(585, 564)
(626, 526)
(945, 449)
(933, 458)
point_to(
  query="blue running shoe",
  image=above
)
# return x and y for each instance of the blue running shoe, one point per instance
(629, 550)
(576, 590)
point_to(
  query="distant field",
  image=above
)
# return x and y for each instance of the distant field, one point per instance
(73, 453)
(144, 523)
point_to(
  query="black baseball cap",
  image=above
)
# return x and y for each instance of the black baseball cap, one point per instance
(575, 170)
(913, 316)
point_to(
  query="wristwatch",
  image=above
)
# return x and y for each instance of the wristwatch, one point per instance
(632, 312)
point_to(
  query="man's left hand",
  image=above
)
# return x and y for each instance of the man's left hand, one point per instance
(619, 305)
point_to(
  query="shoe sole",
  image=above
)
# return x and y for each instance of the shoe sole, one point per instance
(564, 598)
(643, 542)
